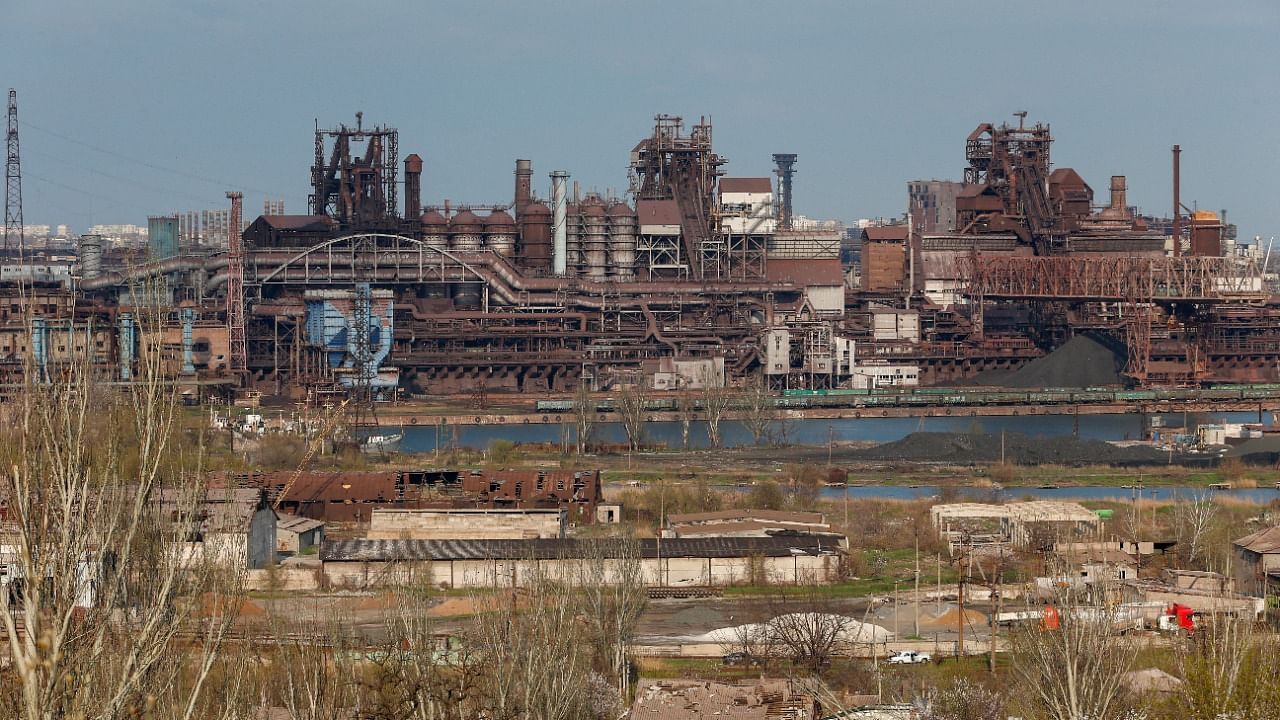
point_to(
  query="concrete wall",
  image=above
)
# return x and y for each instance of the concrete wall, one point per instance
(288, 541)
(417, 524)
(826, 298)
(674, 572)
(285, 579)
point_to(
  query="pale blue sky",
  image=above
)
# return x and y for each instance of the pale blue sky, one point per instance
(205, 95)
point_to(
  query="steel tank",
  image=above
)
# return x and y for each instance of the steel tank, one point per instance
(535, 236)
(466, 232)
(622, 242)
(500, 233)
(435, 230)
(595, 239)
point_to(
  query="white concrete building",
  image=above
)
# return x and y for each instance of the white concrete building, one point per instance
(675, 562)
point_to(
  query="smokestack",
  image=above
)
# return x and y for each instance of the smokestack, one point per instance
(785, 169)
(1118, 201)
(560, 246)
(412, 187)
(524, 185)
(1177, 201)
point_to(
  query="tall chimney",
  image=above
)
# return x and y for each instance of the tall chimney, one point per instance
(412, 187)
(1177, 201)
(1118, 201)
(524, 185)
(560, 246)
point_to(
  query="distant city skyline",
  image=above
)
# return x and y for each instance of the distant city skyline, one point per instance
(138, 107)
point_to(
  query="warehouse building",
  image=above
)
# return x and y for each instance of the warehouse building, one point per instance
(676, 562)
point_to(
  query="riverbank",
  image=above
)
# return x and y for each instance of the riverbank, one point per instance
(458, 412)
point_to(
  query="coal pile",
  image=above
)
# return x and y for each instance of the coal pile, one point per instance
(1080, 362)
(967, 448)
(1257, 451)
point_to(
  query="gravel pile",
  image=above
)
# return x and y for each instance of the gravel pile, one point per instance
(965, 448)
(1080, 362)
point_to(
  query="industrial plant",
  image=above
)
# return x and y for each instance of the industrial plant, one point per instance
(694, 276)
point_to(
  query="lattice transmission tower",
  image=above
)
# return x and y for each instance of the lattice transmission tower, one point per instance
(13, 181)
(238, 356)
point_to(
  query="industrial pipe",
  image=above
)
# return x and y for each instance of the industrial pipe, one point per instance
(560, 248)
(1177, 201)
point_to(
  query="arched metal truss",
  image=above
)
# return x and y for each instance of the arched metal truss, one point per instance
(365, 257)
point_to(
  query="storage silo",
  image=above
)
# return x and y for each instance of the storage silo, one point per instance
(595, 238)
(500, 233)
(622, 242)
(466, 232)
(435, 230)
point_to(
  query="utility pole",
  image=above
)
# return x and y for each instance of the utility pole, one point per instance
(13, 233)
(917, 598)
(937, 595)
(960, 598)
(995, 619)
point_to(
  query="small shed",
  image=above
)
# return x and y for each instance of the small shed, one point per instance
(1257, 561)
(296, 534)
(232, 525)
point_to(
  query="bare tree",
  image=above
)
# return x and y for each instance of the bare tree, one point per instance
(1195, 519)
(611, 588)
(536, 666)
(584, 415)
(687, 410)
(965, 700)
(807, 628)
(106, 618)
(631, 401)
(1227, 671)
(716, 399)
(305, 667)
(1073, 671)
(759, 410)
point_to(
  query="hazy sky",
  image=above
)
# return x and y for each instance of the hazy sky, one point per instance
(130, 107)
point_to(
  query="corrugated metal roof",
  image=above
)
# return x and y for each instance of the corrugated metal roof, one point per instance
(551, 548)
(746, 185)
(1263, 542)
(224, 509)
(297, 523)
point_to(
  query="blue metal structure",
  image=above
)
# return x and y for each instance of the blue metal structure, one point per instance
(162, 236)
(188, 322)
(128, 343)
(354, 328)
(40, 348)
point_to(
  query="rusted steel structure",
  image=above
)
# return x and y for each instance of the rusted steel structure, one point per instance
(693, 275)
(237, 344)
(1128, 279)
(350, 496)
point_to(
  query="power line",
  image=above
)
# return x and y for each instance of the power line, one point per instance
(131, 181)
(144, 163)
